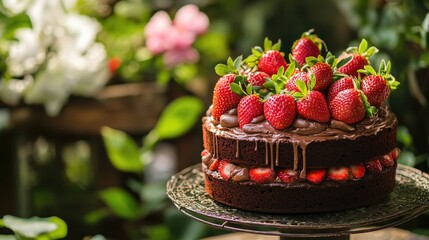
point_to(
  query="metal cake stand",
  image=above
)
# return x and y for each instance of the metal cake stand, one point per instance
(409, 199)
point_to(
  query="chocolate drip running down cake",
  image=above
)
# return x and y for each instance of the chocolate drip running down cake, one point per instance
(300, 137)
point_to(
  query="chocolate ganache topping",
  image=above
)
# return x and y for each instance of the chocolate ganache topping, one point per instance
(301, 133)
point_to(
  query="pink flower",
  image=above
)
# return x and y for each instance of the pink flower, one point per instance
(159, 24)
(178, 56)
(190, 18)
(180, 38)
(157, 33)
(175, 38)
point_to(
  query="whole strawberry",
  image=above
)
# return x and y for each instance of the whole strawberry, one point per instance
(280, 110)
(257, 78)
(308, 45)
(297, 75)
(377, 86)
(269, 59)
(349, 106)
(311, 104)
(223, 98)
(248, 108)
(355, 59)
(338, 86)
(322, 70)
(323, 74)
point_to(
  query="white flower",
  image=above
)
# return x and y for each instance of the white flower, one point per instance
(11, 90)
(59, 52)
(16, 6)
(26, 54)
(82, 29)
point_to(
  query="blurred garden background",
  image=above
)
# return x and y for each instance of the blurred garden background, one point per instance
(101, 100)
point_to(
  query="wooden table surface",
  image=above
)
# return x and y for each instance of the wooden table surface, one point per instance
(385, 234)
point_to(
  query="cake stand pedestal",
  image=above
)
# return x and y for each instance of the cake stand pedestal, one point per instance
(409, 199)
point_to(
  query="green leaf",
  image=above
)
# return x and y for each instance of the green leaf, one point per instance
(120, 202)
(221, 69)
(371, 51)
(344, 61)
(13, 23)
(277, 45)
(249, 89)
(407, 158)
(61, 231)
(237, 63)
(230, 64)
(123, 152)
(236, 88)
(363, 46)
(36, 227)
(259, 49)
(7, 237)
(301, 86)
(256, 53)
(404, 136)
(178, 117)
(268, 44)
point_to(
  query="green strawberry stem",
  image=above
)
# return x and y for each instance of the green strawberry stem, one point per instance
(231, 66)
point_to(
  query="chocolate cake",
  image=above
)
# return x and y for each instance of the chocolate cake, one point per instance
(311, 137)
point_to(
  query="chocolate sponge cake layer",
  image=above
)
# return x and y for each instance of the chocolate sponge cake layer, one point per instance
(301, 197)
(291, 149)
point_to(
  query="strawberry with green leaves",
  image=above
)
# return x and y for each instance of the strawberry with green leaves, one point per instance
(377, 85)
(311, 104)
(350, 106)
(224, 99)
(267, 60)
(322, 69)
(355, 58)
(308, 45)
(257, 78)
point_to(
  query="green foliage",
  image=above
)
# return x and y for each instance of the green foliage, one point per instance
(178, 117)
(122, 150)
(35, 228)
(13, 23)
(121, 203)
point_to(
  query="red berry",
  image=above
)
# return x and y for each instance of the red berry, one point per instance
(374, 166)
(204, 153)
(262, 175)
(314, 107)
(375, 89)
(215, 165)
(297, 75)
(288, 175)
(257, 78)
(395, 153)
(356, 63)
(114, 64)
(338, 86)
(358, 171)
(387, 160)
(323, 74)
(280, 110)
(223, 98)
(248, 108)
(348, 106)
(271, 61)
(303, 48)
(339, 174)
(316, 176)
(225, 169)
